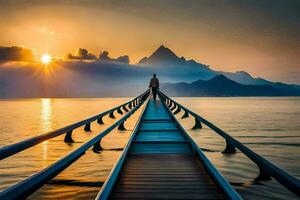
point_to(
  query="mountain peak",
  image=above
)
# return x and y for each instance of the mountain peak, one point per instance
(161, 47)
(162, 54)
(222, 79)
(243, 73)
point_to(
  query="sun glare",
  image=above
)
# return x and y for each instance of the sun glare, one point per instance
(46, 58)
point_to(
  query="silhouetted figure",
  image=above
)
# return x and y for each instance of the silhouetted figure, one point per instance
(154, 85)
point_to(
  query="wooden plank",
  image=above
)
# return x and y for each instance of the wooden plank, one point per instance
(157, 120)
(168, 177)
(159, 136)
(159, 148)
(192, 187)
(162, 173)
(168, 184)
(163, 182)
(158, 126)
(189, 182)
(161, 179)
(154, 195)
(162, 170)
(167, 190)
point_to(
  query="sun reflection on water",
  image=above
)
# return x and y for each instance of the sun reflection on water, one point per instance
(46, 125)
(45, 153)
(46, 115)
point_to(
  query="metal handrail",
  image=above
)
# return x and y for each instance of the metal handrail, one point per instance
(211, 169)
(12, 149)
(26, 187)
(106, 189)
(266, 168)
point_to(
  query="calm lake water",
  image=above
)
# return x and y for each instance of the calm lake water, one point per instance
(269, 126)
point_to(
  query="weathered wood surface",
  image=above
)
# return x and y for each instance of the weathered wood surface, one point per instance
(167, 176)
(161, 163)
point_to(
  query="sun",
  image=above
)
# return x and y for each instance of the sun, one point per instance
(46, 58)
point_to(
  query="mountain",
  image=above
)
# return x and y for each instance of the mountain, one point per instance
(171, 68)
(161, 55)
(245, 78)
(174, 69)
(164, 57)
(189, 70)
(220, 85)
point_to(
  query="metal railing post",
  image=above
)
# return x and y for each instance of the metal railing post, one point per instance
(100, 120)
(198, 124)
(177, 110)
(119, 111)
(97, 147)
(121, 127)
(87, 127)
(68, 137)
(186, 114)
(111, 115)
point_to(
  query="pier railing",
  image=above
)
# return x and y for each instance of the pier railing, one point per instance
(266, 168)
(12, 149)
(112, 177)
(224, 185)
(26, 187)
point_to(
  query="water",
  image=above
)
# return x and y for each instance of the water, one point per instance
(269, 126)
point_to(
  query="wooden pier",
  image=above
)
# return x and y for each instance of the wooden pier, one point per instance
(160, 160)
(162, 164)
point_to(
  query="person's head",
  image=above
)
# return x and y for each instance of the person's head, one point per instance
(154, 75)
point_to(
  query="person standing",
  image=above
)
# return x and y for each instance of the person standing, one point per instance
(154, 85)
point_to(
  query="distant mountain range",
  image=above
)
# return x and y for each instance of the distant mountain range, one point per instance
(220, 85)
(113, 79)
(163, 60)
(170, 67)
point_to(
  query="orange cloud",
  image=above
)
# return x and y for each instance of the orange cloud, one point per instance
(15, 53)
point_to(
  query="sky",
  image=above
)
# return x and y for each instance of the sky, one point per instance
(257, 36)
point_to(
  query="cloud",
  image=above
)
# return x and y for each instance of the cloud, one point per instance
(123, 59)
(15, 53)
(81, 54)
(103, 79)
(104, 56)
